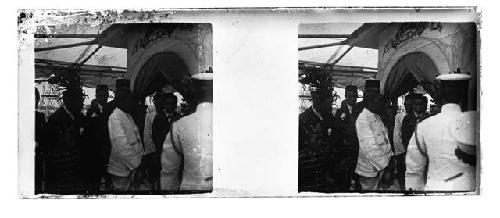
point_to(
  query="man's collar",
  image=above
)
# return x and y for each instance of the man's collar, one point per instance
(418, 115)
(165, 113)
(121, 111)
(371, 112)
(101, 107)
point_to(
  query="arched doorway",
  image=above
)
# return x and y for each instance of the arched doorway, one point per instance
(161, 69)
(411, 70)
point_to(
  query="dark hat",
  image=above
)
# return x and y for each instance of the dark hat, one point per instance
(372, 83)
(158, 95)
(102, 88)
(351, 88)
(416, 96)
(411, 96)
(122, 83)
(320, 92)
(161, 94)
(73, 93)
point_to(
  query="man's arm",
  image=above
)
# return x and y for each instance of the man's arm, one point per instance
(170, 164)
(398, 141)
(120, 144)
(415, 164)
(148, 134)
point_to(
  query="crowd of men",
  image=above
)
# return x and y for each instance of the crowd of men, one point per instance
(119, 147)
(366, 146)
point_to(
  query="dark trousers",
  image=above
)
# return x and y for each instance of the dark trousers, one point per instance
(357, 184)
(400, 160)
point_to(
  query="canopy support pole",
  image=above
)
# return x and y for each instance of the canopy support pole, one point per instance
(67, 36)
(321, 46)
(324, 36)
(342, 56)
(92, 42)
(334, 56)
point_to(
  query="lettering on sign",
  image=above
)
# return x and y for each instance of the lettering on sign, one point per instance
(409, 31)
(155, 32)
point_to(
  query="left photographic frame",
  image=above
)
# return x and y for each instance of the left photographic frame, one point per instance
(119, 107)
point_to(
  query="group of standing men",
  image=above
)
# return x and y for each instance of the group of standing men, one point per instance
(360, 148)
(117, 147)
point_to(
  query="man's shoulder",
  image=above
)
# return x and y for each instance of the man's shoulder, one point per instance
(400, 115)
(185, 123)
(343, 109)
(57, 115)
(116, 113)
(408, 117)
(176, 116)
(150, 115)
(193, 118)
(363, 115)
(307, 113)
(431, 122)
(109, 106)
(425, 116)
(39, 115)
(365, 112)
(359, 105)
(307, 116)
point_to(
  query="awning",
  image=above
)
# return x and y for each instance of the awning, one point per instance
(328, 51)
(113, 35)
(90, 75)
(63, 46)
(342, 75)
(367, 35)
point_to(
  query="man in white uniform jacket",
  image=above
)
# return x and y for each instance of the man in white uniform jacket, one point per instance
(126, 147)
(433, 140)
(187, 151)
(374, 147)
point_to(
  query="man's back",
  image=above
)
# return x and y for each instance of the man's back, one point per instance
(435, 140)
(187, 152)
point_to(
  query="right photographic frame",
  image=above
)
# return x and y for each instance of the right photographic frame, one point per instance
(389, 108)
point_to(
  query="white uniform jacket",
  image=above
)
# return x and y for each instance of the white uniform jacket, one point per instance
(445, 172)
(126, 147)
(374, 147)
(187, 152)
